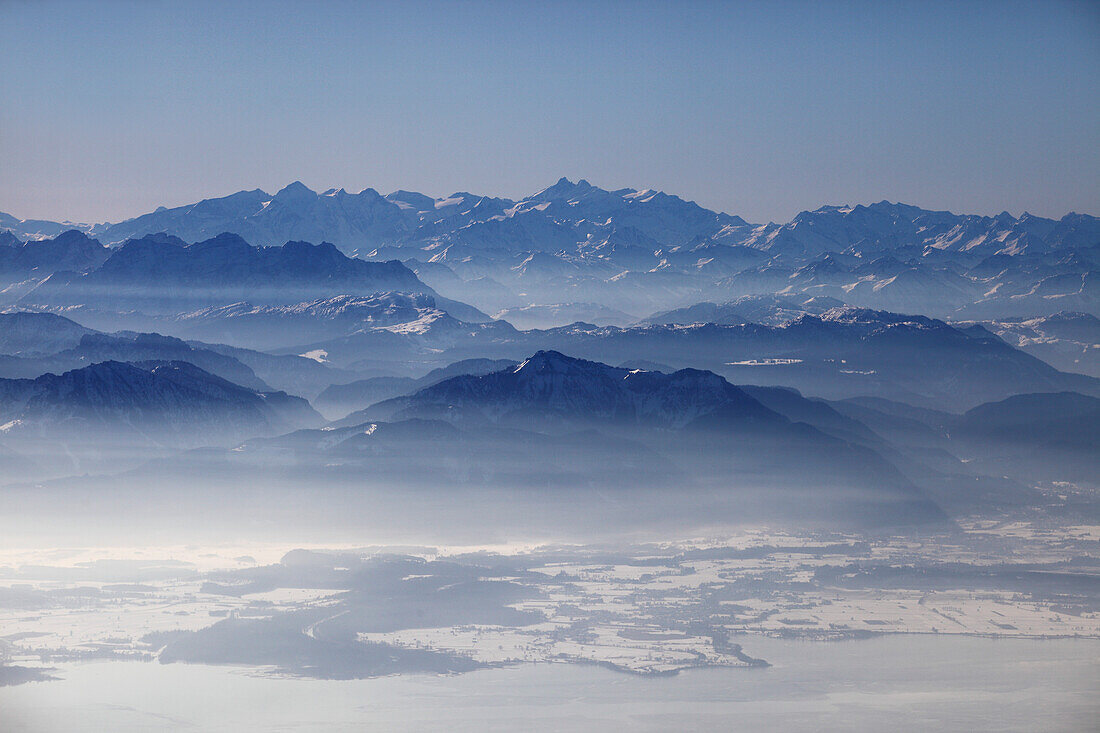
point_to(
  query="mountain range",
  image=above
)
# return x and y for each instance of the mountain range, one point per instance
(1066, 340)
(636, 252)
(34, 343)
(553, 421)
(841, 352)
(156, 275)
(569, 421)
(877, 363)
(111, 413)
(838, 353)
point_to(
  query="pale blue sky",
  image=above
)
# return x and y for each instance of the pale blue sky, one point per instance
(109, 109)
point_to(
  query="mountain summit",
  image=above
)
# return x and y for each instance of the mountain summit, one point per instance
(551, 388)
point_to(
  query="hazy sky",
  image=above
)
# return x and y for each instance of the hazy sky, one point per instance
(108, 110)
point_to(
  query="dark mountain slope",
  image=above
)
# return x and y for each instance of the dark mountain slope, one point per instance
(156, 276)
(715, 434)
(550, 388)
(71, 251)
(341, 399)
(1044, 437)
(94, 347)
(146, 403)
(38, 334)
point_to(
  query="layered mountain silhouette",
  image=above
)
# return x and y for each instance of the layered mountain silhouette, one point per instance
(841, 352)
(550, 389)
(32, 344)
(155, 275)
(26, 334)
(347, 398)
(1042, 437)
(1067, 340)
(837, 353)
(556, 421)
(187, 327)
(274, 326)
(72, 250)
(113, 413)
(642, 251)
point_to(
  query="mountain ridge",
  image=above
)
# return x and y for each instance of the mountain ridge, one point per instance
(162, 402)
(895, 216)
(642, 251)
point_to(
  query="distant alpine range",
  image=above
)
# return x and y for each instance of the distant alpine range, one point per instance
(575, 251)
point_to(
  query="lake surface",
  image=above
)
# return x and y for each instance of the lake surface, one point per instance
(895, 683)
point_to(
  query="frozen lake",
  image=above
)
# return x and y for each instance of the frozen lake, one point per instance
(897, 682)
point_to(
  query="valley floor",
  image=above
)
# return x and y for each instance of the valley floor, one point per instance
(899, 683)
(653, 608)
